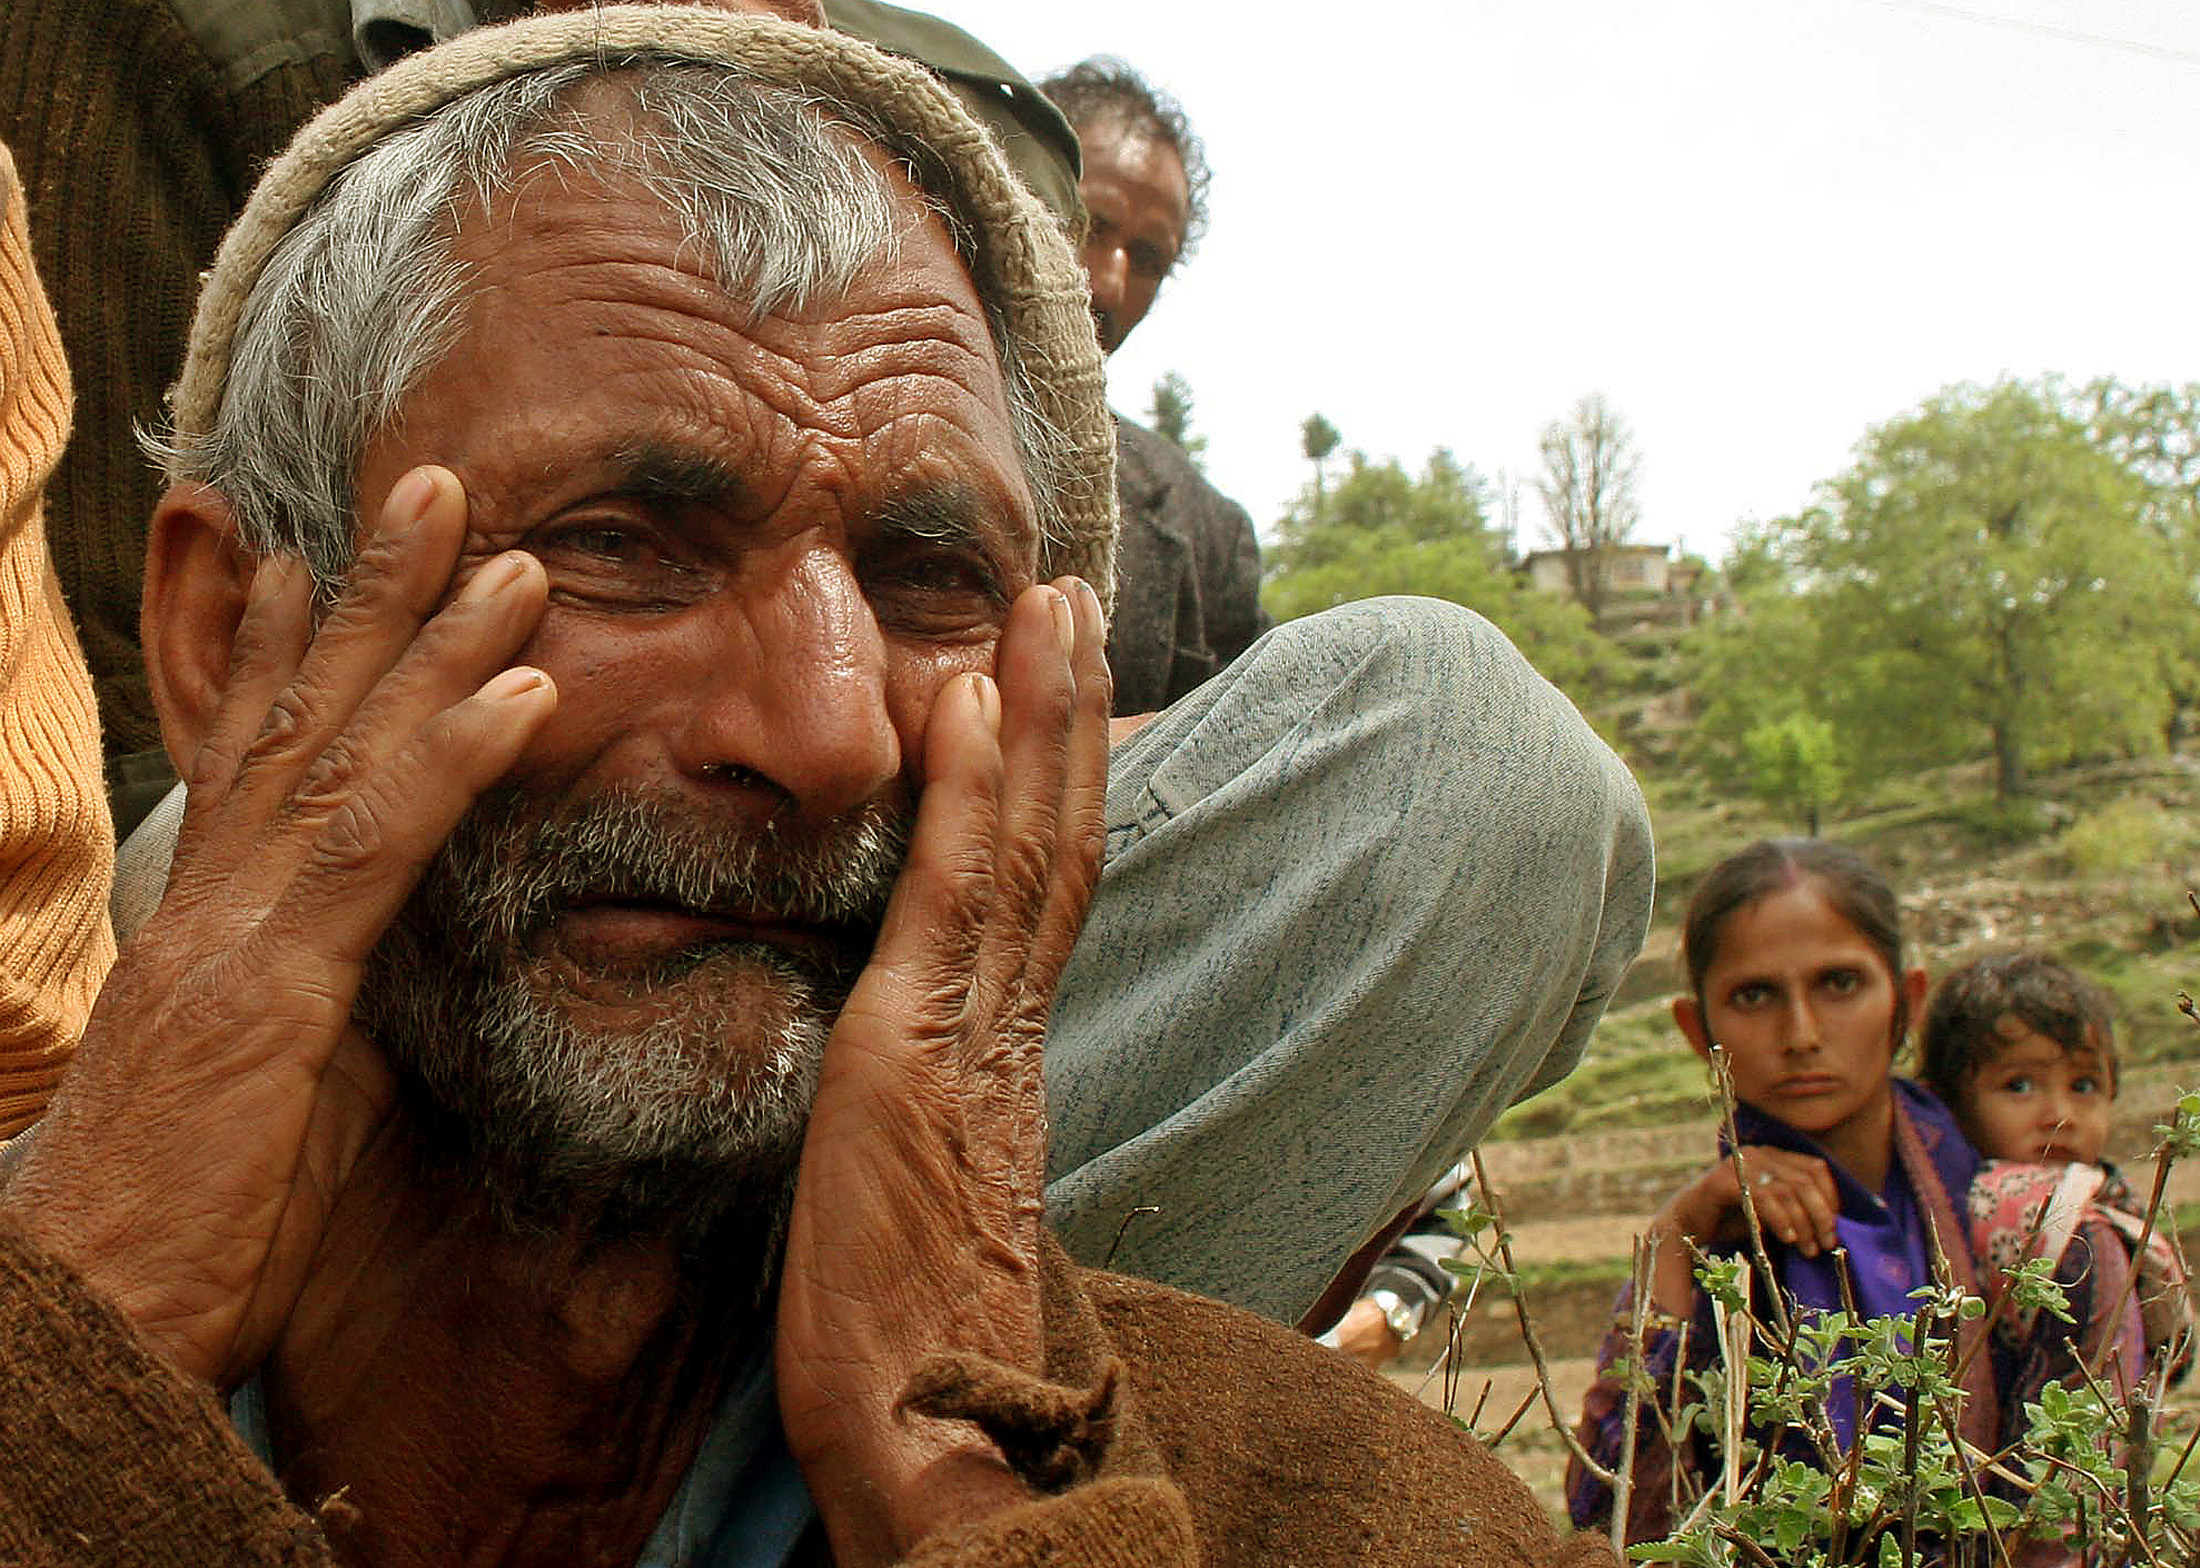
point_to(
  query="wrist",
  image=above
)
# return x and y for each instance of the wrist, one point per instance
(880, 1512)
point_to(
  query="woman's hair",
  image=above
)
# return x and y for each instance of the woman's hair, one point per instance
(1858, 894)
(1963, 1025)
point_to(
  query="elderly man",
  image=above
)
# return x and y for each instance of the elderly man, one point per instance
(1190, 564)
(1364, 888)
(659, 1158)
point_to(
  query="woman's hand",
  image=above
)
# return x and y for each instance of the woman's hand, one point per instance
(1796, 1204)
(1794, 1195)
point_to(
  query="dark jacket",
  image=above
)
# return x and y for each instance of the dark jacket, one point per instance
(1187, 573)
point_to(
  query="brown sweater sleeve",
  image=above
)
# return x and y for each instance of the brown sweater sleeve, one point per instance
(1231, 1442)
(56, 848)
(107, 1453)
(137, 148)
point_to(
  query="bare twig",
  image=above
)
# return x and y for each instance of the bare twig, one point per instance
(1132, 1214)
(1511, 1421)
(1673, 1438)
(2185, 1457)
(1750, 1549)
(1528, 1334)
(1971, 1481)
(2163, 1160)
(1623, 1484)
(2140, 1455)
(1913, 1426)
(1480, 1400)
(1441, 1366)
(1722, 1078)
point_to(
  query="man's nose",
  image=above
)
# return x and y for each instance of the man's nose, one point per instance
(1802, 1025)
(1107, 272)
(792, 688)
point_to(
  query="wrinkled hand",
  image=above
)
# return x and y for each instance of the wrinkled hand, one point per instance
(917, 1211)
(221, 1096)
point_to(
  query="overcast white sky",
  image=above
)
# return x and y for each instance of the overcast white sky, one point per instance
(1758, 225)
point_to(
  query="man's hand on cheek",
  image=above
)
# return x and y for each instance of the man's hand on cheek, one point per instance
(221, 1096)
(917, 1213)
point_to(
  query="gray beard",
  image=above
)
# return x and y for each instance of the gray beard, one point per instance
(683, 1121)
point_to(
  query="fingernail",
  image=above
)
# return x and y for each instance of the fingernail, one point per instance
(409, 497)
(989, 700)
(1065, 624)
(517, 681)
(493, 576)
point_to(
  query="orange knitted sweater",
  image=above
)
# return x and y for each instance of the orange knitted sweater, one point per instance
(56, 846)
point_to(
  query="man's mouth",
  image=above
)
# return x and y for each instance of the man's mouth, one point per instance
(628, 933)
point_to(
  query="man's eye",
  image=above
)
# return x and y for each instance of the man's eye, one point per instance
(2017, 1085)
(2085, 1084)
(603, 542)
(1148, 262)
(1753, 994)
(1844, 982)
(613, 564)
(946, 582)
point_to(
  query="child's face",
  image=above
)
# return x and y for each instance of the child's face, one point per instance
(1805, 1006)
(2034, 1100)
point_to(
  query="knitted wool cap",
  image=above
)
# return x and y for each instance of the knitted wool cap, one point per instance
(1022, 265)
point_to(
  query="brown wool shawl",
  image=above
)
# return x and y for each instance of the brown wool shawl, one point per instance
(1022, 264)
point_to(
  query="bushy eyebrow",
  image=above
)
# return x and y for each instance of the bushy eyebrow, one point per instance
(679, 477)
(944, 514)
(947, 513)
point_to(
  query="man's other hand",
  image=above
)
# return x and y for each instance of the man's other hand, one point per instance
(918, 1209)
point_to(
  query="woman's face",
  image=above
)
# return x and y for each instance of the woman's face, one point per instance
(1805, 1007)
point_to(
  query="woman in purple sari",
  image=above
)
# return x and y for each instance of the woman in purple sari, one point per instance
(1794, 958)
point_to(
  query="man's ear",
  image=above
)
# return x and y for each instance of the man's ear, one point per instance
(197, 577)
(1690, 1018)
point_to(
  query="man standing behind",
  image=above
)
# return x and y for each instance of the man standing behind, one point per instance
(1188, 564)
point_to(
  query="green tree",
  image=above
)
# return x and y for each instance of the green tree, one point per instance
(1317, 439)
(1983, 580)
(1171, 413)
(1794, 767)
(2154, 433)
(1382, 530)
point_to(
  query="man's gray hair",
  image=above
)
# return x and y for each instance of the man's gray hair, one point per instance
(363, 297)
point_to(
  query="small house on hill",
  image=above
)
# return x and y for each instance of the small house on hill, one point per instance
(1628, 568)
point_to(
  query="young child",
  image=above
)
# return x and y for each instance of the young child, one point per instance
(2022, 1049)
(1794, 958)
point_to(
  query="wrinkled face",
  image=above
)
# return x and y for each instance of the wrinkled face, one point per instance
(2035, 1100)
(1805, 1007)
(1135, 191)
(769, 544)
